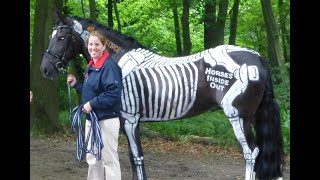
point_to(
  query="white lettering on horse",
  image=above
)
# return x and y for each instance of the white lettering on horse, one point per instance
(211, 71)
(218, 79)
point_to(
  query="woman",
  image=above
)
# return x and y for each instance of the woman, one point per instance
(101, 93)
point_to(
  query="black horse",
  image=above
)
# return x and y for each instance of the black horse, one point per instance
(158, 88)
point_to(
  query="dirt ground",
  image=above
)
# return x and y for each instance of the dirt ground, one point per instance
(54, 158)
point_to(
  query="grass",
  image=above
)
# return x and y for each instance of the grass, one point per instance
(213, 124)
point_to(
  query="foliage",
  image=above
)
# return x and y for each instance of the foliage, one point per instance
(35, 131)
(212, 124)
(32, 7)
(251, 27)
(281, 78)
(64, 102)
(64, 119)
(151, 23)
(282, 95)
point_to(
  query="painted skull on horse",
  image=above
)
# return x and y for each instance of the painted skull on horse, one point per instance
(158, 88)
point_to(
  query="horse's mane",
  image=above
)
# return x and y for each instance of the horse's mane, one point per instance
(116, 36)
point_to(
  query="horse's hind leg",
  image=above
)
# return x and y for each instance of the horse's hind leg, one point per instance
(244, 135)
(131, 128)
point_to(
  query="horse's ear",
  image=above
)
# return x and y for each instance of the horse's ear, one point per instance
(57, 16)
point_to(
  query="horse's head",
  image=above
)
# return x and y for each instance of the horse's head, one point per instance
(65, 43)
(68, 39)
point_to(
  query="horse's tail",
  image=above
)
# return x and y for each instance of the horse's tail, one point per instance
(270, 160)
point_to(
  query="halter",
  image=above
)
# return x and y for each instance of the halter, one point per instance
(61, 65)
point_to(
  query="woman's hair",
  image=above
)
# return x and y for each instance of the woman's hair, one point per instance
(98, 34)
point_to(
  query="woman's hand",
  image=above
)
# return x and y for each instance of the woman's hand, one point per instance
(71, 80)
(87, 107)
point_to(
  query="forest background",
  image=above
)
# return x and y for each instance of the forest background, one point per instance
(171, 28)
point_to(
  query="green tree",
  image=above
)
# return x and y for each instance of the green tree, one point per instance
(272, 33)
(93, 11)
(117, 15)
(44, 110)
(209, 23)
(186, 29)
(234, 22)
(110, 19)
(214, 25)
(284, 13)
(174, 5)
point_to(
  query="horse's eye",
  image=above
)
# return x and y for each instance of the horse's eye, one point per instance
(61, 38)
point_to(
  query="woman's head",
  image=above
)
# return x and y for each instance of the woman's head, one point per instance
(96, 44)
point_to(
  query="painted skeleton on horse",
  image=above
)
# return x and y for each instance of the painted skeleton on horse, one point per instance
(158, 88)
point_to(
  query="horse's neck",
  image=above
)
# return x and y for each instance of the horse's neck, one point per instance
(85, 53)
(117, 43)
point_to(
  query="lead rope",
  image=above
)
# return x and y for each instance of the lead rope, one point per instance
(94, 132)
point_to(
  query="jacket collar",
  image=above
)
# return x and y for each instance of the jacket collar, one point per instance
(100, 61)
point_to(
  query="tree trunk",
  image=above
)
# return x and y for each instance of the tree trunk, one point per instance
(214, 27)
(209, 23)
(59, 4)
(272, 33)
(44, 108)
(234, 22)
(220, 23)
(176, 28)
(117, 15)
(185, 28)
(93, 11)
(110, 19)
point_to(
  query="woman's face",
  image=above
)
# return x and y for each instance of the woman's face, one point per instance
(95, 47)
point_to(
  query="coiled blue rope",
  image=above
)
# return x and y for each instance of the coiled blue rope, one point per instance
(94, 133)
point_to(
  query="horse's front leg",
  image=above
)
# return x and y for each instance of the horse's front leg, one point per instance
(131, 127)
